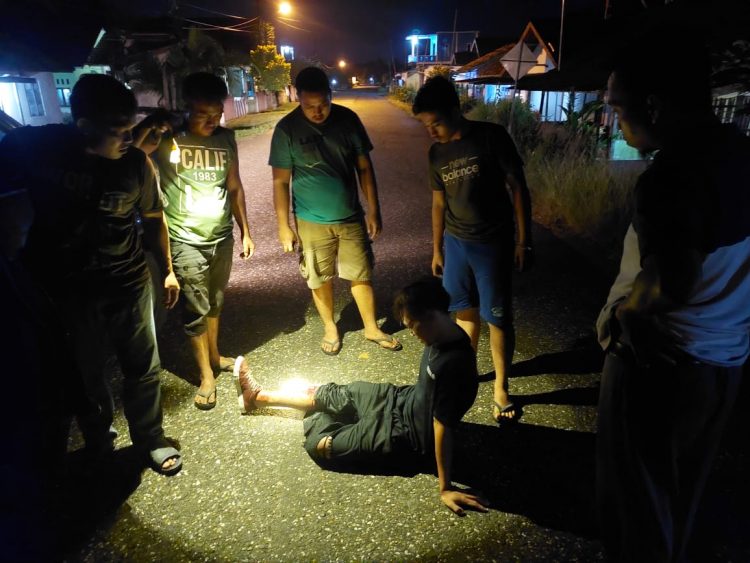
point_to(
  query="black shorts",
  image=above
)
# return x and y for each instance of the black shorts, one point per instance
(361, 418)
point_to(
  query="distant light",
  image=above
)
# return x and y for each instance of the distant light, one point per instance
(342, 63)
(334, 81)
(287, 51)
(285, 8)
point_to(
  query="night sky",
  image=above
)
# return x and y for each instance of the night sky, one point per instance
(364, 30)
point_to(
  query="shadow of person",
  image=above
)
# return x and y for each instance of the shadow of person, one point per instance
(91, 493)
(542, 473)
(589, 359)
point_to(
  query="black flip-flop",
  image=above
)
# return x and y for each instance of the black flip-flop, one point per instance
(207, 406)
(335, 347)
(507, 408)
(159, 455)
(389, 339)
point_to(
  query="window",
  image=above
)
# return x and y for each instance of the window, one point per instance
(63, 97)
(34, 99)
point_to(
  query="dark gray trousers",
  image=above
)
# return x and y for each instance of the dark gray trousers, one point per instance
(126, 320)
(659, 428)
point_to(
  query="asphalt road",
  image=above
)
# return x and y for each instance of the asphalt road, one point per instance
(248, 490)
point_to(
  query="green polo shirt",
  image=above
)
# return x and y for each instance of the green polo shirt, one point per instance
(322, 158)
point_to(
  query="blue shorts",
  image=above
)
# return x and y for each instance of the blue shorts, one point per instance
(479, 275)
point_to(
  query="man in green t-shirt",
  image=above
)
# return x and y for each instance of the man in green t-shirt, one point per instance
(200, 180)
(320, 149)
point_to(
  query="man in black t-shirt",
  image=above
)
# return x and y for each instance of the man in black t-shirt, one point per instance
(364, 422)
(86, 186)
(473, 221)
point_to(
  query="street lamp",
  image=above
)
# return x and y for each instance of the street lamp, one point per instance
(285, 8)
(342, 64)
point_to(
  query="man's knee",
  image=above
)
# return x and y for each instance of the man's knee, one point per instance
(319, 448)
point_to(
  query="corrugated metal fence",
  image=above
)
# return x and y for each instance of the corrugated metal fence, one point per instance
(734, 110)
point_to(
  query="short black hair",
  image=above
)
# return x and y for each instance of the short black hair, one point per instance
(682, 82)
(312, 79)
(204, 87)
(437, 95)
(100, 97)
(420, 298)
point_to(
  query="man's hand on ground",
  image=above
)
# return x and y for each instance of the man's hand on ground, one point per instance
(287, 238)
(457, 501)
(248, 247)
(171, 290)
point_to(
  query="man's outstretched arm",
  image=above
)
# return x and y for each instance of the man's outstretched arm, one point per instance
(366, 174)
(438, 228)
(155, 231)
(453, 499)
(239, 210)
(522, 210)
(282, 179)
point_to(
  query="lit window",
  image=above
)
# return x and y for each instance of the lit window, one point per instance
(34, 99)
(63, 97)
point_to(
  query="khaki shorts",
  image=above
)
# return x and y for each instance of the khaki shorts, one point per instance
(326, 249)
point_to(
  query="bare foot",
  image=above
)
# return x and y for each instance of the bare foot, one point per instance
(503, 408)
(386, 341)
(223, 364)
(331, 343)
(205, 398)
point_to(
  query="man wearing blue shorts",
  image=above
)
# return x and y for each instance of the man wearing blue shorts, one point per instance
(481, 223)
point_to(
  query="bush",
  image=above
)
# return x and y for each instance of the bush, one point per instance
(404, 94)
(573, 193)
(525, 129)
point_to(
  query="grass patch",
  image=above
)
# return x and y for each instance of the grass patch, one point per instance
(256, 123)
(400, 104)
(574, 194)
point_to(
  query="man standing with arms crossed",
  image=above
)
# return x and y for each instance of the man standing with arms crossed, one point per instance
(320, 149)
(473, 223)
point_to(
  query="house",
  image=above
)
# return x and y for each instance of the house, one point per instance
(567, 75)
(432, 49)
(486, 77)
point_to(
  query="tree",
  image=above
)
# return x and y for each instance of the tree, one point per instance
(438, 70)
(270, 71)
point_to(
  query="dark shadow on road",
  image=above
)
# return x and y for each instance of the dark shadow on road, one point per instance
(542, 473)
(582, 396)
(579, 360)
(91, 494)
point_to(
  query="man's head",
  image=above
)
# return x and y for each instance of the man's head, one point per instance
(420, 305)
(314, 93)
(438, 108)
(204, 94)
(656, 93)
(103, 109)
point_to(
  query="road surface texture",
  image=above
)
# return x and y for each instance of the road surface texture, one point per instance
(248, 490)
